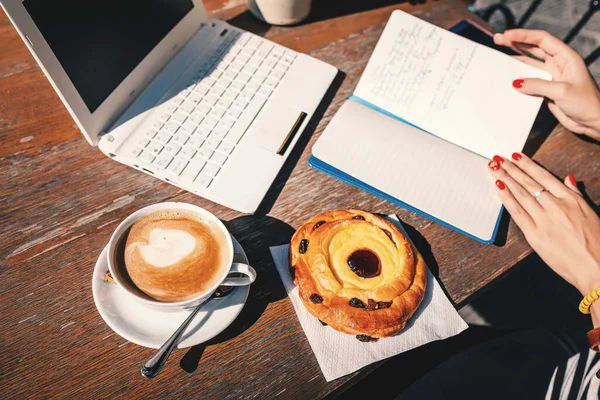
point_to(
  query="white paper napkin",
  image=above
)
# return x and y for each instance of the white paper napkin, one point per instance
(339, 354)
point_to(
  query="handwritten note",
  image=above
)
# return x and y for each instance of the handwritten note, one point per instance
(449, 86)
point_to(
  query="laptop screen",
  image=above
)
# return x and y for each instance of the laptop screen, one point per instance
(99, 42)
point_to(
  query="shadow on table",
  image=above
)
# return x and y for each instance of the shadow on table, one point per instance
(296, 153)
(250, 23)
(256, 234)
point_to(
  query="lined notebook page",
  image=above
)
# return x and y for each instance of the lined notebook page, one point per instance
(450, 86)
(428, 173)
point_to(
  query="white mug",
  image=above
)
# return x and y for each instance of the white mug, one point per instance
(119, 274)
(280, 12)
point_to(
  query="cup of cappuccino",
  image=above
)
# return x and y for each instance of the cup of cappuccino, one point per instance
(174, 256)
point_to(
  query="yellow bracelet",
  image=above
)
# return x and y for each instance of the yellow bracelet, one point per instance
(587, 301)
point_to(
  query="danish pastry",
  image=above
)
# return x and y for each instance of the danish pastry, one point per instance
(357, 273)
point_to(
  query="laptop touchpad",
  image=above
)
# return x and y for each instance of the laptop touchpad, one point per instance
(279, 128)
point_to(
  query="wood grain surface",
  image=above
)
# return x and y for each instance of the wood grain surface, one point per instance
(60, 200)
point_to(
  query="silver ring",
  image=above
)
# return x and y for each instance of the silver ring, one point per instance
(539, 192)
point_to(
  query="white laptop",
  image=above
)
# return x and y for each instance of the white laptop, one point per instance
(157, 86)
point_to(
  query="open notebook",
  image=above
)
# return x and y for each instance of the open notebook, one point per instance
(429, 111)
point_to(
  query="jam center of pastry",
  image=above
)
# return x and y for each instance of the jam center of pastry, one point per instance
(364, 263)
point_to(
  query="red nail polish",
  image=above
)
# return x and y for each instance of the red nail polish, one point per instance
(498, 159)
(518, 83)
(572, 180)
(517, 156)
(500, 184)
(494, 166)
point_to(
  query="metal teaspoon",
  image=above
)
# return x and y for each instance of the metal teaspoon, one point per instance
(155, 363)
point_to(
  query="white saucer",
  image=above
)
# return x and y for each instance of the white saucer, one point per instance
(147, 327)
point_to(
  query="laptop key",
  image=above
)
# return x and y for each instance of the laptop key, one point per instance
(187, 107)
(188, 152)
(217, 92)
(203, 180)
(230, 94)
(179, 116)
(180, 138)
(191, 124)
(177, 166)
(244, 77)
(227, 121)
(143, 143)
(210, 121)
(250, 70)
(224, 103)
(271, 82)
(220, 131)
(205, 152)
(213, 141)
(147, 157)
(171, 108)
(172, 149)
(164, 137)
(151, 133)
(218, 158)
(234, 113)
(171, 127)
(203, 131)
(277, 74)
(265, 91)
(217, 113)
(264, 49)
(193, 169)
(226, 148)
(210, 100)
(203, 109)
(253, 85)
(136, 151)
(163, 161)
(195, 142)
(155, 148)
(201, 90)
(211, 170)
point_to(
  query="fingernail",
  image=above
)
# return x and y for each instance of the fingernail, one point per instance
(498, 159)
(500, 184)
(572, 180)
(494, 166)
(517, 156)
(518, 83)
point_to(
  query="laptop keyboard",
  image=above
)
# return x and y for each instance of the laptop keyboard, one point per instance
(201, 126)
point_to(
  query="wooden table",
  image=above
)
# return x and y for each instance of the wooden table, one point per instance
(61, 199)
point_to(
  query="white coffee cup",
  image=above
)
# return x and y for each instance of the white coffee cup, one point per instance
(280, 12)
(119, 273)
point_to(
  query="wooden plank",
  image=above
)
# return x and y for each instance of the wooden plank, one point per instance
(61, 199)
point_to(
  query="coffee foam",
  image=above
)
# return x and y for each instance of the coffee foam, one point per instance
(174, 255)
(166, 247)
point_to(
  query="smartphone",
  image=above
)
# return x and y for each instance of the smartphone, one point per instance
(476, 33)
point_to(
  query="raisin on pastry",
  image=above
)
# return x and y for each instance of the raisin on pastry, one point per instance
(357, 272)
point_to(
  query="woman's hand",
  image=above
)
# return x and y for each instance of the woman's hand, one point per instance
(558, 224)
(573, 96)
